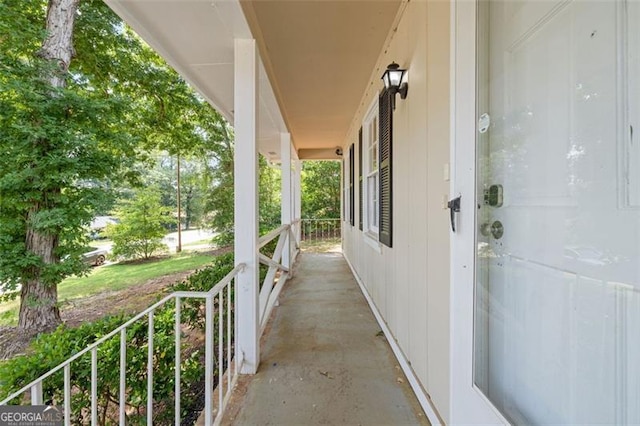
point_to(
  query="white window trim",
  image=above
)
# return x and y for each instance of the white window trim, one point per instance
(372, 241)
(370, 230)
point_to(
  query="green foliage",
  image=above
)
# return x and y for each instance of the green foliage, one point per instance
(221, 198)
(269, 196)
(49, 350)
(67, 152)
(321, 190)
(193, 309)
(194, 181)
(61, 147)
(141, 228)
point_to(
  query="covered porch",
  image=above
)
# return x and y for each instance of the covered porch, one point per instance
(324, 357)
(294, 79)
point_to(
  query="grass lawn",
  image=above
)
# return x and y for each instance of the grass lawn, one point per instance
(321, 245)
(112, 278)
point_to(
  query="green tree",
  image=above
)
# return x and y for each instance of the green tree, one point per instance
(220, 201)
(321, 189)
(269, 196)
(193, 185)
(142, 226)
(81, 99)
(61, 144)
(220, 196)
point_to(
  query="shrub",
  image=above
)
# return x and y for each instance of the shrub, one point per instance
(49, 350)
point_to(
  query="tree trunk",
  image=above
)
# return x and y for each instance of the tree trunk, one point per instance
(38, 299)
(58, 46)
(38, 306)
(188, 207)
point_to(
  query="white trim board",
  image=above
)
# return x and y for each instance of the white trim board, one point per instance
(423, 398)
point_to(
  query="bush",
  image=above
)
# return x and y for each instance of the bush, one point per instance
(193, 312)
(49, 350)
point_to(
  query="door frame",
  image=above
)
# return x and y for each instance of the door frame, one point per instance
(468, 405)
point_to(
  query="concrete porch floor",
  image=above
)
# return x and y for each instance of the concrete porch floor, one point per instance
(324, 358)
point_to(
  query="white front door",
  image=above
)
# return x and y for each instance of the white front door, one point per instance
(556, 295)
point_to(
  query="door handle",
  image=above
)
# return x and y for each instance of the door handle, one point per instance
(454, 207)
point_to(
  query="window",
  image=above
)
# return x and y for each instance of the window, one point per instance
(370, 171)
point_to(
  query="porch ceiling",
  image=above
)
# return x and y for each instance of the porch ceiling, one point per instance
(316, 58)
(319, 56)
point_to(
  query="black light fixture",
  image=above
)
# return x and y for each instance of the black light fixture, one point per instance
(393, 81)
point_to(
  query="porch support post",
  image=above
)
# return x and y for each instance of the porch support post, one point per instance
(246, 203)
(286, 195)
(297, 196)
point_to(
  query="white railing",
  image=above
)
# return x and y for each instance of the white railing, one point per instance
(274, 282)
(220, 295)
(314, 230)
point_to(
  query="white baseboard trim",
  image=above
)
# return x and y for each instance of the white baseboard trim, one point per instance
(423, 399)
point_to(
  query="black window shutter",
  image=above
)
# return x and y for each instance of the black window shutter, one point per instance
(352, 194)
(385, 119)
(360, 194)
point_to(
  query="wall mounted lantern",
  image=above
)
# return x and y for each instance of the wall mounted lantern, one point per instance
(393, 81)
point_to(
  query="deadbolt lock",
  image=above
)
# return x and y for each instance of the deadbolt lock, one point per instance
(493, 196)
(497, 230)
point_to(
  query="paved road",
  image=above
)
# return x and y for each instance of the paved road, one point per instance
(189, 236)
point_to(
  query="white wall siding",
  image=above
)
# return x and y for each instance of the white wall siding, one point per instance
(438, 226)
(409, 283)
(419, 219)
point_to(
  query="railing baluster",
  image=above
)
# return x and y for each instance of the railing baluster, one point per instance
(94, 386)
(208, 360)
(220, 346)
(94, 410)
(150, 370)
(316, 230)
(123, 376)
(36, 393)
(228, 335)
(239, 357)
(67, 395)
(177, 392)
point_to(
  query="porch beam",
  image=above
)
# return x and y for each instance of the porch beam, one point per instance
(246, 203)
(286, 210)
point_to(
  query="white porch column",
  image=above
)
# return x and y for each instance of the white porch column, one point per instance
(246, 203)
(297, 196)
(286, 193)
